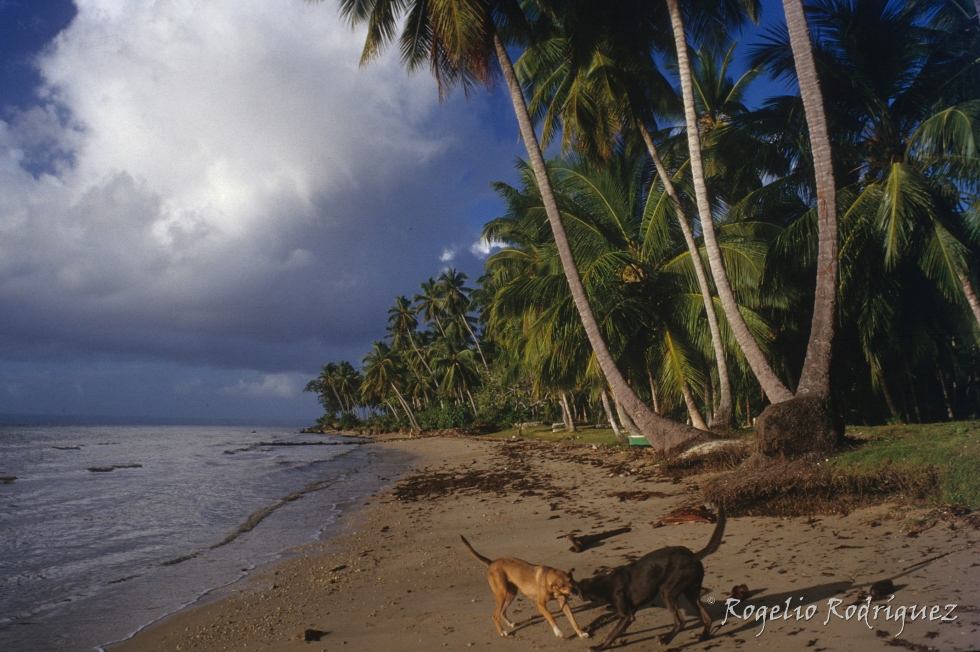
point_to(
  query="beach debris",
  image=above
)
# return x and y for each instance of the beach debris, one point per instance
(637, 495)
(313, 635)
(338, 568)
(882, 589)
(7, 479)
(740, 591)
(688, 514)
(67, 448)
(585, 541)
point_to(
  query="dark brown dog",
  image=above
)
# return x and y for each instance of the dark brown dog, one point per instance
(668, 572)
(539, 583)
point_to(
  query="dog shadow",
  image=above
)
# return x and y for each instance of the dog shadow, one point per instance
(811, 596)
(536, 618)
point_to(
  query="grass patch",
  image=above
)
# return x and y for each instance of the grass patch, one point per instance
(933, 463)
(603, 436)
(950, 451)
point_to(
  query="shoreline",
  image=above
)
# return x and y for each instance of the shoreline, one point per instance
(397, 573)
(347, 508)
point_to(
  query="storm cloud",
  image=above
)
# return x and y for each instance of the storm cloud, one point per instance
(219, 185)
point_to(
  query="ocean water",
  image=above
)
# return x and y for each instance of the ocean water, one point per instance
(107, 529)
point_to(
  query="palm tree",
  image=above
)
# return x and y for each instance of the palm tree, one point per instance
(455, 366)
(599, 103)
(402, 324)
(901, 108)
(429, 304)
(325, 387)
(461, 41)
(638, 276)
(456, 304)
(774, 388)
(382, 372)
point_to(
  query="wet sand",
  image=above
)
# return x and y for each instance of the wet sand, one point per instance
(399, 579)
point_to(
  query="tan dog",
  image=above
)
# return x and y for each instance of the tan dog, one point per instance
(539, 583)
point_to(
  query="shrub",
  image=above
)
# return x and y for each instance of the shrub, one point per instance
(348, 421)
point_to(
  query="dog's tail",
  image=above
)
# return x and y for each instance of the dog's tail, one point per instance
(716, 536)
(475, 553)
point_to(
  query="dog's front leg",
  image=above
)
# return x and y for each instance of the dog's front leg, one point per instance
(571, 618)
(543, 608)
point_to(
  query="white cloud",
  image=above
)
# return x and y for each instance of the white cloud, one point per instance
(447, 255)
(284, 386)
(223, 169)
(482, 248)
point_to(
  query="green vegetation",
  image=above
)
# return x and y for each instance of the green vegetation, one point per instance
(950, 452)
(690, 260)
(604, 436)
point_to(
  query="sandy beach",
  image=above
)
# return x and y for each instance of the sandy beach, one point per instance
(399, 578)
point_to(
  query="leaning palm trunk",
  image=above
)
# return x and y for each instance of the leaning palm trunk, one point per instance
(405, 406)
(724, 417)
(624, 418)
(663, 435)
(477, 342)
(692, 407)
(770, 383)
(566, 411)
(623, 439)
(391, 407)
(896, 415)
(968, 291)
(421, 357)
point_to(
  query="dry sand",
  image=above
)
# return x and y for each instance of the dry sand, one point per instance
(400, 580)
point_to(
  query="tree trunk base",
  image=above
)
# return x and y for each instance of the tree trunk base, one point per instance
(723, 420)
(793, 429)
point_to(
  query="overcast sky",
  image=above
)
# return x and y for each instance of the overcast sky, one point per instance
(201, 202)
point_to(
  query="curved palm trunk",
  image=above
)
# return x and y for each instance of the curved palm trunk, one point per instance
(419, 353)
(620, 437)
(815, 377)
(337, 396)
(663, 434)
(653, 391)
(692, 407)
(624, 418)
(724, 417)
(408, 410)
(391, 407)
(475, 341)
(566, 410)
(770, 383)
(969, 292)
(896, 415)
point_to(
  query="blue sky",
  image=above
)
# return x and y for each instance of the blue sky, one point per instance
(201, 202)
